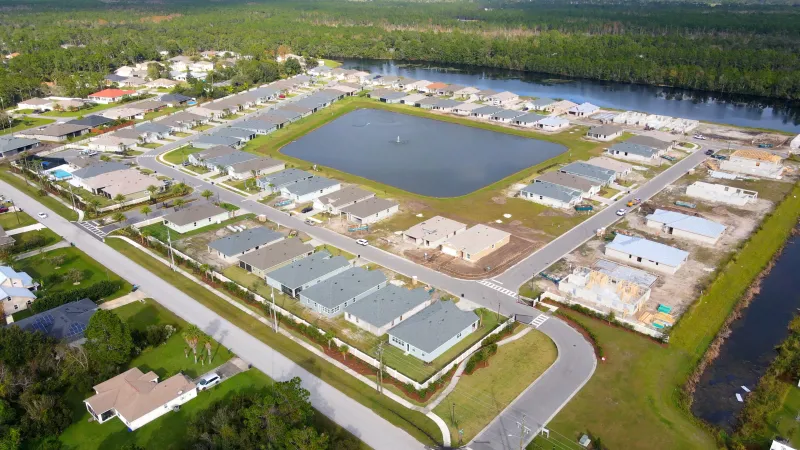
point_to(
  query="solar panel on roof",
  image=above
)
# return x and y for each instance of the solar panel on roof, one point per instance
(75, 329)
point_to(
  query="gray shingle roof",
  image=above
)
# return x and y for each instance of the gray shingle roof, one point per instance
(345, 196)
(542, 102)
(648, 141)
(249, 239)
(231, 159)
(59, 129)
(255, 164)
(235, 133)
(486, 110)
(277, 253)
(387, 304)
(692, 224)
(650, 250)
(308, 269)
(255, 125)
(605, 130)
(568, 180)
(285, 113)
(554, 191)
(284, 177)
(308, 186)
(344, 286)
(66, 322)
(529, 118)
(589, 171)
(98, 169)
(12, 143)
(369, 207)
(194, 213)
(446, 103)
(152, 127)
(433, 326)
(507, 114)
(174, 98)
(634, 149)
(218, 140)
(214, 152)
(91, 121)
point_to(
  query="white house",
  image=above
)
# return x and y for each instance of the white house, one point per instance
(197, 216)
(552, 195)
(755, 163)
(382, 310)
(138, 398)
(334, 202)
(552, 123)
(721, 193)
(370, 211)
(475, 243)
(111, 143)
(684, 226)
(429, 333)
(308, 190)
(583, 110)
(504, 98)
(333, 295)
(433, 232)
(255, 167)
(604, 132)
(645, 253)
(636, 152)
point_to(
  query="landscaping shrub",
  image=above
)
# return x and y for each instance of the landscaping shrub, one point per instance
(153, 336)
(94, 292)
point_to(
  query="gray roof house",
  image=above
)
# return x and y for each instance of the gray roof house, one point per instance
(682, 225)
(335, 294)
(92, 120)
(434, 330)
(237, 244)
(307, 272)
(594, 173)
(214, 140)
(550, 194)
(99, 168)
(307, 190)
(197, 158)
(239, 133)
(11, 145)
(650, 142)
(528, 119)
(230, 159)
(587, 186)
(381, 310)
(256, 166)
(153, 127)
(275, 181)
(274, 256)
(65, 323)
(634, 151)
(195, 216)
(540, 103)
(485, 111)
(646, 253)
(506, 115)
(371, 210)
(257, 126)
(347, 196)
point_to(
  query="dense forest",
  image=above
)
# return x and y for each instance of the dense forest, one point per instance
(730, 48)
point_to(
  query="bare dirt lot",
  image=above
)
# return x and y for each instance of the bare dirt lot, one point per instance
(486, 267)
(197, 246)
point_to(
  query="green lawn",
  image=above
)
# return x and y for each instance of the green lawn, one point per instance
(24, 314)
(334, 251)
(11, 220)
(480, 397)
(415, 423)
(203, 127)
(248, 185)
(25, 123)
(151, 145)
(20, 239)
(178, 156)
(81, 112)
(159, 230)
(33, 190)
(162, 112)
(181, 134)
(331, 63)
(783, 422)
(39, 267)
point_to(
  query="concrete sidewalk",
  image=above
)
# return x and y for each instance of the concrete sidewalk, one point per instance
(34, 227)
(39, 251)
(126, 299)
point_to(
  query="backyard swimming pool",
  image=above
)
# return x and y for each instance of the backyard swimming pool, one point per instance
(423, 156)
(60, 174)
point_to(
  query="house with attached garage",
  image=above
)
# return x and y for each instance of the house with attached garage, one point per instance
(412, 99)
(81, 177)
(528, 120)
(308, 190)
(197, 216)
(540, 104)
(445, 104)
(153, 131)
(426, 103)
(124, 113)
(604, 132)
(721, 193)
(552, 123)
(415, 85)
(12, 145)
(684, 226)
(369, 211)
(433, 232)
(111, 143)
(16, 290)
(504, 98)
(335, 201)
(756, 163)
(129, 183)
(235, 245)
(276, 181)
(593, 173)
(183, 121)
(583, 110)
(506, 115)
(58, 132)
(381, 310)
(235, 132)
(65, 323)
(466, 92)
(274, 256)
(485, 112)
(107, 96)
(307, 272)
(173, 100)
(620, 168)
(92, 121)
(138, 398)
(585, 186)
(224, 162)
(465, 109)
(550, 194)
(199, 158)
(651, 142)
(645, 253)
(333, 295)
(257, 126)
(475, 243)
(429, 333)
(636, 152)
(215, 140)
(36, 103)
(254, 168)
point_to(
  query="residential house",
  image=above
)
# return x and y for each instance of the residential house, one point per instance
(276, 181)
(124, 113)
(658, 144)
(552, 123)
(129, 183)
(200, 158)
(332, 296)
(550, 194)
(255, 168)
(721, 193)
(484, 94)
(432, 88)
(450, 89)
(587, 187)
(382, 310)
(150, 105)
(475, 243)
(65, 323)
(113, 78)
(163, 83)
(416, 85)
(58, 132)
(433, 232)
(107, 96)
(153, 131)
(232, 246)
(348, 89)
(466, 92)
(235, 132)
(174, 100)
(369, 211)
(274, 256)
(138, 398)
(387, 96)
(541, 104)
(426, 103)
(757, 163)
(445, 104)
(111, 143)
(486, 112)
(92, 121)
(183, 121)
(43, 104)
(95, 168)
(196, 216)
(604, 132)
(645, 253)
(620, 168)
(132, 82)
(307, 272)
(412, 99)
(583, 110)
(347, 196)
(70, 104)
(622, 296)
(561, 107)
(257, 126)
(429, 333)
(308, 190)
(684, 226)
(527, 120)
(225, 162)
(210, 141)
(589, 171)
(504, 98)
(635, 152)
(466, 109)
(11, 145)
(16, 290)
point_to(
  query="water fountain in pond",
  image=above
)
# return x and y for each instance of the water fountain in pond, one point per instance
(399, 141)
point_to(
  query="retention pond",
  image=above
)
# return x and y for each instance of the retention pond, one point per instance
(750, 348)
(423, 156)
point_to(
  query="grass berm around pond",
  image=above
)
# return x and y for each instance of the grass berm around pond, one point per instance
(413, 422)
(476, 207)
(636, 397)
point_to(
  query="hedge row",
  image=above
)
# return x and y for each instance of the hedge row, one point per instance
(94, 292)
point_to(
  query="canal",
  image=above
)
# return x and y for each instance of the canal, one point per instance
(750, 348)
(711, 107)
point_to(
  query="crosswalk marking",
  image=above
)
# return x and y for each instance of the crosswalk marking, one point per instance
(539, 320)
(491, 285)
(148, 155)
(92, 227)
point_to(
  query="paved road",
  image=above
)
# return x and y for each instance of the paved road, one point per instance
(358, 419)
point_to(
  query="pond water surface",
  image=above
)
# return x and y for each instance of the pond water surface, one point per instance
(424, 156)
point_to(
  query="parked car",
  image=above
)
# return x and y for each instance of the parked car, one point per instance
(307, 209)
(622, 212)
(709, 152)
(309, 222)
(363, 242)
(700, 137)
(3, 209)
(206, 381)
(42, 215)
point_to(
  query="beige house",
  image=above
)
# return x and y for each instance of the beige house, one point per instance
(129, 183)
(370, 211)
(620, 168)
(475, 243)
(196, 216)
(255, 167)
(274, 256)
(433, 232)
(15, 290)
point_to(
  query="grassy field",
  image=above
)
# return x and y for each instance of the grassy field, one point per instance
(33, 190)
(640, 385)
(20, 239)
(159, 230)
(39, 267)
(415, 423)
(11, 220)
(24, 124)
(248, 185)
(203, 127)
(162, 112)
(480, 397)
(783, 422)
(179, 155)
(331, 63)
(151, 145)
(476, 207)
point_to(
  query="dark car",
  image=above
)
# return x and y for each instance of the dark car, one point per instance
(709, 152)
(307, 209)
(3, 209)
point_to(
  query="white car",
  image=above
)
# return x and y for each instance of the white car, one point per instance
(622, 212)
(363, 242)
(700, 137)
(42, 215)
(208, 380)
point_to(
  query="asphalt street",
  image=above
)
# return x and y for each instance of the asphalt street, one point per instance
(358, 419)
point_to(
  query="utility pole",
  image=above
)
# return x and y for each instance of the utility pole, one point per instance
(274, 313)
(524, 430)
(171, 256)
(498, 310)
(16, 211)
(380, 367)
(453, 413)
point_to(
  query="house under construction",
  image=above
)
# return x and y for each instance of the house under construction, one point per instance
(620, 295)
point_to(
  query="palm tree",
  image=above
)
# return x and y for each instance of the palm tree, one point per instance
(145, 234)
(179, 202)
(119, 217)
(329, 336)
(192, 336)
(145, 210)
(205, 268)
(152, 190)
(207, 194)
(344, 349)
(181, 188)
(93, 206)
(120, 199)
